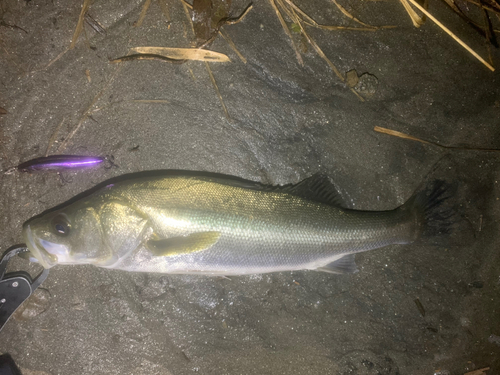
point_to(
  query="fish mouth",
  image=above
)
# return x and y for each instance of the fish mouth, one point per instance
(38, 251)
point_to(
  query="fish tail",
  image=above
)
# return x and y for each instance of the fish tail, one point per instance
(430, 210)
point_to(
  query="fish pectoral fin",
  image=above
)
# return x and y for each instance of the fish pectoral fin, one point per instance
(191, 243)
(343, 265)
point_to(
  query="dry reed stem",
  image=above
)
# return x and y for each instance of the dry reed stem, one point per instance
(233, 46)
(301, 12)
(87, 112)
(217, 90)
(287, 31)
(186, 5)
(480, 371)
(349, 15)
(164, 10)
(311, 22)
(316, 47)
(144, 10)
(79, 25)
(163, 101)
(54, 136)
(336, 28)
(415, 18)
(445, 29)
(411, 138)
(56, 58)
(356, 93)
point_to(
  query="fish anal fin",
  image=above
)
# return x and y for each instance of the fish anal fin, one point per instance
(191, 243)
(344, 265)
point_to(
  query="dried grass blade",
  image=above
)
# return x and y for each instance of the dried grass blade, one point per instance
(186, 7)
(164, 9)
(287, 31)
(164, 101)
(415, 18)
(301, 12)
(356, 93)
(349, 15)
(445, 29)
(54, 136)
(234, 21)
(336, 28)
(316, 47)
(233, 46)
(217, 90)
(79, 25)
(401, 135)
(88, 111)
(183, 53)
(411, 138)
(144, 10)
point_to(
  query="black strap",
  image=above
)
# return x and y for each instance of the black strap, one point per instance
(16, 287)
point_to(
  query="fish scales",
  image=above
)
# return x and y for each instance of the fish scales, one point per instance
(186, 224)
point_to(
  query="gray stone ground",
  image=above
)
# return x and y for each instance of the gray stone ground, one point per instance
(288, 122)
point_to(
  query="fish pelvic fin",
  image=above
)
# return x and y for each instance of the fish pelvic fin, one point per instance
(431, 211)
(191, 243)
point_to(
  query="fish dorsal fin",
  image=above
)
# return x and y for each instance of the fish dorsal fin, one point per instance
(318, 188)
(191, 243)
(343, 265)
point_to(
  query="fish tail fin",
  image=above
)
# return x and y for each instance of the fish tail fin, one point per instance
(431, 211)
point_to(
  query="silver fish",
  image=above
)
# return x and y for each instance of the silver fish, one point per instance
(218, 225)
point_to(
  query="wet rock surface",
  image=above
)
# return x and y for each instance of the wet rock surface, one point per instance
(287, 123)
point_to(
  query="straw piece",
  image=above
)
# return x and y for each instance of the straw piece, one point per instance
(144, 10)
(234, 21)
(164, 10)
(56, 58)
(164, 101)
(411, 138)
(301, 12)
(183, 53)
(415, 18)
(79, 25)
(184, 2)
(419, 7)
(191, 73)
(233, 46)
(316, 47)
(335, 28)
(349, 15)
(217, 89)
(356, 93)
(54, 136)
(287, 31)
(87, 112)
(480, 371)
(401, 135)
(186, 7)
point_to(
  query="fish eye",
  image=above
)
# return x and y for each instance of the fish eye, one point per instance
(60, 226)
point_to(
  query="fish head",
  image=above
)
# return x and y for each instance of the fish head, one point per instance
(84, 233)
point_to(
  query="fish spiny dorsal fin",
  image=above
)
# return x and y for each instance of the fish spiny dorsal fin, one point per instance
(318, 188)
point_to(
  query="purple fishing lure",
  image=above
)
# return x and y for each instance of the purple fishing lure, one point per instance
(60, 162)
